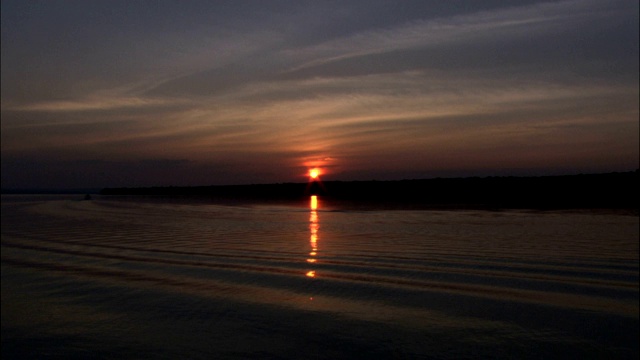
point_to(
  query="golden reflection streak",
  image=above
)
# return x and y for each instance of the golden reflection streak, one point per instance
(314, 225)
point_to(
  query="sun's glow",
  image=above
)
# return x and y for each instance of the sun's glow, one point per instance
(314, 173)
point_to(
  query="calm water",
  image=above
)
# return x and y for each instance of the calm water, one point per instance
(132, 279)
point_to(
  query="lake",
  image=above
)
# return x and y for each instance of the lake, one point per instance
(131, 278)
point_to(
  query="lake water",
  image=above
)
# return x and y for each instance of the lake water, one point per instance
(119, 278)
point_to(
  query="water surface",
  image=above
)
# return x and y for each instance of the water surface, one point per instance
(165, 279)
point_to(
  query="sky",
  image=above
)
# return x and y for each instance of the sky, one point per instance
(158, 93)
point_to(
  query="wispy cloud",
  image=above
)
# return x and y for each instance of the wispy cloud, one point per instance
(95, 104)
(503, 23)
(542, 81)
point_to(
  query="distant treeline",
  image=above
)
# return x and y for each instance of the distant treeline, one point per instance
(612, 190)
(40, 191)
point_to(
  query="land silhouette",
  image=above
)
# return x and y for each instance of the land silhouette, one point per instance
(611, 190)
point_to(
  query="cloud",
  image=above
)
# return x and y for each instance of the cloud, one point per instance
(263, 99)
(95, 104)
(513, 22)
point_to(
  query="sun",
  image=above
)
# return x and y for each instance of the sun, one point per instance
(314, 173)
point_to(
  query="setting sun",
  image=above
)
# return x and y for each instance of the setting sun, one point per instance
(314, 173)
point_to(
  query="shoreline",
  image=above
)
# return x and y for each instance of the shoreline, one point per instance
(584, 191)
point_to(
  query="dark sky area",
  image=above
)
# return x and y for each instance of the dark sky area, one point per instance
(156, 93)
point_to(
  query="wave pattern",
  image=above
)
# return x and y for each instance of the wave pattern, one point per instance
(266, 280)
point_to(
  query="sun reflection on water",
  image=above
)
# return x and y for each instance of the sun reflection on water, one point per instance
(314, 225)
